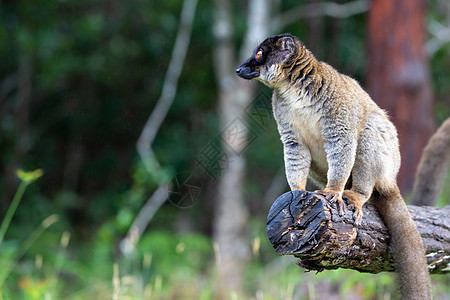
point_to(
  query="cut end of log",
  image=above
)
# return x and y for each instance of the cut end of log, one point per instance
(308, 226)
(300, 221)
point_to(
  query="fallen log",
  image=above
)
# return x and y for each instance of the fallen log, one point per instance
(306, 225)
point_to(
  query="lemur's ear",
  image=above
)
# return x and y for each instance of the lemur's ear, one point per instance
(287, 47)
(287, 42)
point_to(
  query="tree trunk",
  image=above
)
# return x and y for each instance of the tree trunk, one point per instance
(235, 95)
(308, 226)
(398, 76)
(315, 31)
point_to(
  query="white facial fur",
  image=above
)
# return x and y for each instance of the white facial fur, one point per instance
(270, 75)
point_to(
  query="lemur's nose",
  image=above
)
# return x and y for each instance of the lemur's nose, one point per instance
(239, 70)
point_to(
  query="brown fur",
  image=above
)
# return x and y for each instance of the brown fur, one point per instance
(433, 167)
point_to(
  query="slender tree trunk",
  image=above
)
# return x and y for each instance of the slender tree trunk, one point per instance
(230, 206)
(398, 76)
(315, 31)
(235, 94)
(333, 39)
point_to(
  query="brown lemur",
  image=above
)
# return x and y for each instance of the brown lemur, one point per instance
(333, 132)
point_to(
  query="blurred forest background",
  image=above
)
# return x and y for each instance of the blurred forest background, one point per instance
(160, 165)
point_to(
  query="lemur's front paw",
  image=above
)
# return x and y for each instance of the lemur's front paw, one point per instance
(334, 197)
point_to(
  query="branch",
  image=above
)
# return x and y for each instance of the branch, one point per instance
(148, 134)
(128, 244)
(306, 225)
(330, 9)
(169, 89)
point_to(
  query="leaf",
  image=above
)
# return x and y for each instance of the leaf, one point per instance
(29, 176)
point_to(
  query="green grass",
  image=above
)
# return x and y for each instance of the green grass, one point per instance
(187, 270)
(50, 264)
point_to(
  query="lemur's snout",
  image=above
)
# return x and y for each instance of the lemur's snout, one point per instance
(246, 72)
(239, 71)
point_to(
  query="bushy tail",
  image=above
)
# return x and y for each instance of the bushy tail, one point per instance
(406, 245)
(433, 167)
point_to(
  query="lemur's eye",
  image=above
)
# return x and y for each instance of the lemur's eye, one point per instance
(259, 54)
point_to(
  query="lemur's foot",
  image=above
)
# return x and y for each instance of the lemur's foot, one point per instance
(357, 214)
(356, 204)
(334, 197)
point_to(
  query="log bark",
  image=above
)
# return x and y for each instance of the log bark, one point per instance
(308, 226)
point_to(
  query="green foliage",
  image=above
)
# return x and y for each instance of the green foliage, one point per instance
(11, 253)
(26, 178)
(177, 254)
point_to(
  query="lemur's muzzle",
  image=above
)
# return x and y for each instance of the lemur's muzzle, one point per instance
(246, 73)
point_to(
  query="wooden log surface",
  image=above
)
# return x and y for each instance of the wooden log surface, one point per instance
(308, 226)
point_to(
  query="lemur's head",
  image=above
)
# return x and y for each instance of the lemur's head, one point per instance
(270, 59)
